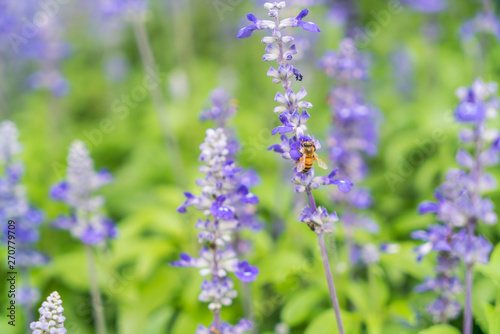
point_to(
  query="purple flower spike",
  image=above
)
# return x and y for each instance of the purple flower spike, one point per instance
(461, 206)
(246, 273)
(227, 203)
(90, 225)
(14, 205)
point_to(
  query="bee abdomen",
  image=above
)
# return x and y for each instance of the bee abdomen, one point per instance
(307, 165)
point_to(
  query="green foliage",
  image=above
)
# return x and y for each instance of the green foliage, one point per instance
(440, 329)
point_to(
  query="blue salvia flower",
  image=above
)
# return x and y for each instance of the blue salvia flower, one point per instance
(292, 109)
(460, 205)
(51, 316)
(226, 202)
(223, 107)
(42, 44)
(353, 135)
(292, 113)
(484, 22)
(14, 206)
(85, 221)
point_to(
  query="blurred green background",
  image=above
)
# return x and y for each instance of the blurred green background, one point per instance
(196, 50)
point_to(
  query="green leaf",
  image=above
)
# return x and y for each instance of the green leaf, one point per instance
(440, 329)
(493, 316)
(298, 309)
(72, 269)
(326, 323)
(157, 322)
(403, 310)
(484, 293)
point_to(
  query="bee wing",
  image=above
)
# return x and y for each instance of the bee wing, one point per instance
(301, 165)
(320, 161)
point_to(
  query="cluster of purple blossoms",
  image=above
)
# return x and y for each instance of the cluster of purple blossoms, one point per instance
(296, 145)
(223, 107)
(460, 205)
(85, 221)
(484, 22)
(228, 207)
(353, 135)
(34, 33)
(292, 110)
(14, 206)
(51, 316)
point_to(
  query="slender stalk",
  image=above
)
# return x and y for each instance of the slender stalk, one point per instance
(471, 225)
(247, 303)
(97, 306)
(215, 278)
(468, 300)
(159, 102)
(328, 271)
(331, 286)
(28, 308)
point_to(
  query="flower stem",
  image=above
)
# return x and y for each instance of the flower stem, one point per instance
(248, 304)
(159, 102)
(328, 271)
(215, 277)
(468, 300)
(468, 284)
(28, 308)
(331, 286)
(97, 306)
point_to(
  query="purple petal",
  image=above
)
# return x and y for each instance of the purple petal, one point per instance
(252, 18)
(246, 31)
(250, 199)
(496, 144)
(303, 14)
(304, 116)
(427, 206)
(59, 191)
(309, 26)
(294, 152)
(464, 159)
(344, 185)
(91, 236)
(246, 273)
(276, 148)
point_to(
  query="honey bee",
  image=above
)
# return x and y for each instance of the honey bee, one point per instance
(308, 156)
